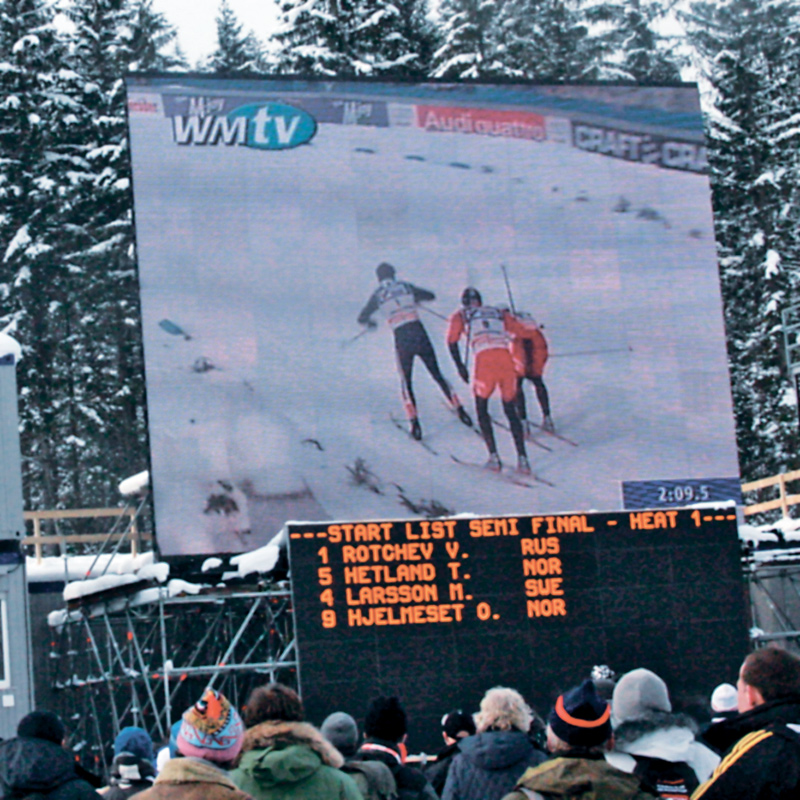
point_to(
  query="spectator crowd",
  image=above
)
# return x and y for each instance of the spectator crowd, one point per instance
(603, 738)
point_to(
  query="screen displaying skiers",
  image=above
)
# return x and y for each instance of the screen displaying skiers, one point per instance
(271, 396)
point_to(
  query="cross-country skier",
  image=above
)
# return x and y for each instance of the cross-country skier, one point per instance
(488, 331)
(529, 352)
(399, 302)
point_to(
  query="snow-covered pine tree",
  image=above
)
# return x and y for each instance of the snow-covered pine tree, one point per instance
(394, 38)
(470, 40)
(317, 37)
(237, 53)
(635, 42)
(547, 40)
(749, 54)
(34, 285)
(87, 418)
(151, 41)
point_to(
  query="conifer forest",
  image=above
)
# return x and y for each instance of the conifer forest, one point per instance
(68, 280)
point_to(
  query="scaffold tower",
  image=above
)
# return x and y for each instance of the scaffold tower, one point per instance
(122, 663)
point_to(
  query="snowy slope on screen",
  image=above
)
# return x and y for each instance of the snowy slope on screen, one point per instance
(267, 408)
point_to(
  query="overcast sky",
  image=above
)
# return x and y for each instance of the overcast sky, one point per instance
(195, 21)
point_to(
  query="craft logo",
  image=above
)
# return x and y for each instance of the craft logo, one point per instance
(645, 148)
(263, 126)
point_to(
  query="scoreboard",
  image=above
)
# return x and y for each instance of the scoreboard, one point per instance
(439, 611)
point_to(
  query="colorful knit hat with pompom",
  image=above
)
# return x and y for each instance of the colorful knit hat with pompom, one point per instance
(211, 729)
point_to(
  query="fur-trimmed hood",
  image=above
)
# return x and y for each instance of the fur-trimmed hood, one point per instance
(652, 722)
(669, 737)
(281, 754)
(279, 735)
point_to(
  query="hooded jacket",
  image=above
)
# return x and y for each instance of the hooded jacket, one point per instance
(583, 775)
(489, 765)
(286, 760)
(664, 736)
(761, 757)
(129, 776)
(192, 779)
(411, 782)
(29, 766)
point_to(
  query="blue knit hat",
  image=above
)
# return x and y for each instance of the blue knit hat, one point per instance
(580, 717)
(135, 741)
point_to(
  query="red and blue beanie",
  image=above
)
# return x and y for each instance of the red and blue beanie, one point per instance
(211, 729)
(581, 718)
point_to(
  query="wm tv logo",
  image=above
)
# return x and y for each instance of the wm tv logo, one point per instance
(263, 126)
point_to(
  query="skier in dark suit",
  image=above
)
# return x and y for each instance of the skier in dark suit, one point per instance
(399, 302)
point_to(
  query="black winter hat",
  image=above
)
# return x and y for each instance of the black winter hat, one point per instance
(457, 721)
(42, 725)
(385, 719)
(580, 717)
(385, 271)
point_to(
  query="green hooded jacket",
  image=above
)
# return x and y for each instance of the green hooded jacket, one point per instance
(291, 761)
(578, 778)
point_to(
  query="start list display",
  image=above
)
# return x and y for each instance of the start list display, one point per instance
(439, 611)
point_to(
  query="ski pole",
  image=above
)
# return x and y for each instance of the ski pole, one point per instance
(508, 289)
(348, 342)
(435, 313)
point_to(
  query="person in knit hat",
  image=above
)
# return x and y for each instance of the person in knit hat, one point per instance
(724, 702)
(35, 762)
(283, 757)
(653, 742)
(209, 739)
(211, 729)
(456, 725)
(133, 767)
(373, 778)
(578, 735)
(385, 729)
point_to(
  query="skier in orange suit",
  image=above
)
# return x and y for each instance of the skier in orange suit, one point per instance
(529, 352)
(488, 331)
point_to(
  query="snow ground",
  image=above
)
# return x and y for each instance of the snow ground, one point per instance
(264, 260)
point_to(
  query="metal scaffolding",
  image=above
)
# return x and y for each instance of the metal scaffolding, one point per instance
(120, 663)
(774, 587)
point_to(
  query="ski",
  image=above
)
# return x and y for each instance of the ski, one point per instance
(401, 426)
(553, 433)
(529, 437)
(509, 477)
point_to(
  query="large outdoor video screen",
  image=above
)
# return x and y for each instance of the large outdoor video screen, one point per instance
(264, 209)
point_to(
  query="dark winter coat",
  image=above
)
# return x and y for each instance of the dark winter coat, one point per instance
(640, 744)
(129, 775)
(291, 761)
(373, 778)
(411, 783)
(581, 775)
(192, 779)
(489, 765)
(36, 766)
(761, 756)
(436, 773)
